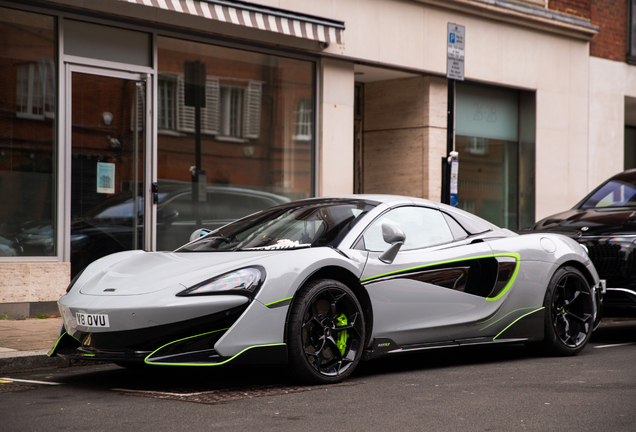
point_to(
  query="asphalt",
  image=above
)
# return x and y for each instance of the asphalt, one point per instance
(24, 344)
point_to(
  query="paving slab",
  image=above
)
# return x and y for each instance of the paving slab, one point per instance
(25, 343)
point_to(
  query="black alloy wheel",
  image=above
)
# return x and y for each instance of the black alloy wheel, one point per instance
(570, 313)
(326, 332)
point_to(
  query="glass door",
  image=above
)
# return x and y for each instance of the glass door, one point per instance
(107, 164)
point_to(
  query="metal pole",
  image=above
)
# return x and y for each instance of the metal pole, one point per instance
(197, 149)
(450, 142)
(135, 191)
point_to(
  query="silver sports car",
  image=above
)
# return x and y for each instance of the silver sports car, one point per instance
(323, 283)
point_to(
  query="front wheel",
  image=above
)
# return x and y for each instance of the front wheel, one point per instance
(326, 332)
(569, 318)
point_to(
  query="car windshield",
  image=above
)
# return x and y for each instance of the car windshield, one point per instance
(614, 193)
(290, 226)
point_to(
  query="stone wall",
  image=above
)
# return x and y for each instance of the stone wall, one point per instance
(33, 282)
(405, 136)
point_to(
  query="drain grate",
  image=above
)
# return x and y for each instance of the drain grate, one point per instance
(228, 394)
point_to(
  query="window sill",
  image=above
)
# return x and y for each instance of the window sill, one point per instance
(170, 132)
(231, 139)
(30, 116)
(306, 138)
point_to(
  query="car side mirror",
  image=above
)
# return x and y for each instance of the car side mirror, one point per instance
(199, 233)
(396, 238)
(166, 218)
(169, 215)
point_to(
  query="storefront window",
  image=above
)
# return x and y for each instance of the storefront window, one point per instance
(495, 140)
(256, 136)
(27, 133)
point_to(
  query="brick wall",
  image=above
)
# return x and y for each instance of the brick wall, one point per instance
(579, 8)
(611, 17)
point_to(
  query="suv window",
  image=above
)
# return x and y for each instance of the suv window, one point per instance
(614, 193)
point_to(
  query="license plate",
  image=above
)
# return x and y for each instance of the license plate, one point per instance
(92, 320)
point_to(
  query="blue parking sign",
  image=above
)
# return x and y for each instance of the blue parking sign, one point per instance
(451, 38)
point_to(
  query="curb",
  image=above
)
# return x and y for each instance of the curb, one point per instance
(21, 361)
(24, 361)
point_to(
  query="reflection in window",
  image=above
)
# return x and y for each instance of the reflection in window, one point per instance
(166, 104)
(304, 120)
(35, 90)
(209, 113)
(254, 145)
(231, 109)
(28, 104)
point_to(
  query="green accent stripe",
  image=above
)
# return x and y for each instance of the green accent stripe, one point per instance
(179, 340)
(514, 255)
(495, 322)
(522, 316)
(88, 355)
(212, 364)
(52, 352)
(512, 279)
(57, 342)
(278, 301)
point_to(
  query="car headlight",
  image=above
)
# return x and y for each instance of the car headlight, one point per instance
(245, 281)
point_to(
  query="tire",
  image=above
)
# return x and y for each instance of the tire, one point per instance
(569, 313)
(326, 332)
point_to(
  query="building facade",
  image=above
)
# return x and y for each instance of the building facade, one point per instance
(127, 124)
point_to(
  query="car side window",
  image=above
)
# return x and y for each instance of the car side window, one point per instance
(423, 227)
(614, 193)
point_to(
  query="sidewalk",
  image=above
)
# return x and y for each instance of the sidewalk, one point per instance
(25, 343)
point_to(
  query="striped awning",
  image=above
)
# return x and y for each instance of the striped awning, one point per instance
(256, 16)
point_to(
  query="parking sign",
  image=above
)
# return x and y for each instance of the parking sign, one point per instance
(455, 52)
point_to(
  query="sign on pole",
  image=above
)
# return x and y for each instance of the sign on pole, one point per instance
(455, 52)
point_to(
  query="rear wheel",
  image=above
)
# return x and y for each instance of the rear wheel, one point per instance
(326, 332)
(569, 317)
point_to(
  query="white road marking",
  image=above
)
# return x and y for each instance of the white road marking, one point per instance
(29, 381)
(615, 345)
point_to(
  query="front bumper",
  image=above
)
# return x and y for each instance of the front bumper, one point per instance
(188, 343)
(159, 329)
(137, 344)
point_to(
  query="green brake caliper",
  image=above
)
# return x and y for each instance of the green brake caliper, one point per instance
(341, 337)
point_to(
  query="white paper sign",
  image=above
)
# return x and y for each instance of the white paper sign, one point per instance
(105, 178)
